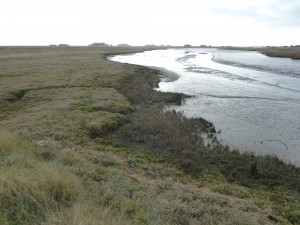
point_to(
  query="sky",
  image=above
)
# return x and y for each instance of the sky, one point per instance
(160, 22)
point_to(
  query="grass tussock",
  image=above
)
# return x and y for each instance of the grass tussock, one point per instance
(8, 142)
(30, 188)
(90, 143)
(84, 214)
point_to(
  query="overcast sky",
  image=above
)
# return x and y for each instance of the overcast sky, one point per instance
(140, 22)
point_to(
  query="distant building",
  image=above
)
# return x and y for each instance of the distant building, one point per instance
(63, 45)
(102, 44)
(123, 45)
(187, 46)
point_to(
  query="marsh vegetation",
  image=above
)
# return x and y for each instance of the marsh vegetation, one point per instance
(292, 52)
(85, 140)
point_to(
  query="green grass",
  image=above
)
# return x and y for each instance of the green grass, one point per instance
(89, 142)
(85, 106)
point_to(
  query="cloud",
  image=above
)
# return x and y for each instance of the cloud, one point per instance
(272, 13)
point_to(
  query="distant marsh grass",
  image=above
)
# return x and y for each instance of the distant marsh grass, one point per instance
(286, 52)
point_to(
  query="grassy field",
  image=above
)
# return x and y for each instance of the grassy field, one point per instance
(85, 140)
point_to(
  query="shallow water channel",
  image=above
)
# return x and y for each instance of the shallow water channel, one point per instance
(254, 100)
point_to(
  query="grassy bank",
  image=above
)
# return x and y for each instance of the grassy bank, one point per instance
(285, 52)
(86, 141)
